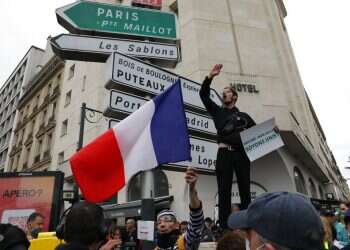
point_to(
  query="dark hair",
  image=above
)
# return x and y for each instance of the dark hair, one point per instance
(71, 246)
(231, 241)
(85, 224)
(208, 219)
(13, 237)
(232, 89)
(184, 222)
(33, 216)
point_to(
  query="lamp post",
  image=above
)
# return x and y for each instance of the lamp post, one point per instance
(86, 114)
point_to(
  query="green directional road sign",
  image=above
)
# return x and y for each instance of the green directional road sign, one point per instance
(84, 17)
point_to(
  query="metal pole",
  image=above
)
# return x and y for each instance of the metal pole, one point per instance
(148, 214)
(82, 125)
(147, 182)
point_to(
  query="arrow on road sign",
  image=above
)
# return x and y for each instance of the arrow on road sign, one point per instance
(98, 49)
(92, 18)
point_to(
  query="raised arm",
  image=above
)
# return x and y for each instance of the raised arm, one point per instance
(194, 229)
(204, 92)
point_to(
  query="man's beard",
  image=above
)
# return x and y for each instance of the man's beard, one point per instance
(167, 240)
(229, 102)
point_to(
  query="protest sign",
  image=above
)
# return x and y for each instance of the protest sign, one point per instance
(261, 139)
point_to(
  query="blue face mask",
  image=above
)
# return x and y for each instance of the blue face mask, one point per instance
(34, 233)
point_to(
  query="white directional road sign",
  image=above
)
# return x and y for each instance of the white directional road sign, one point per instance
(128, 103)
(112, 123)
(136, 74)
(93, 48)
(203, 153)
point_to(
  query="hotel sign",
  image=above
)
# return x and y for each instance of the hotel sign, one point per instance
(92, 18)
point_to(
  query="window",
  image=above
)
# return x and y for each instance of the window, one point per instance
(49, 140)
(25, 164)
(59, 77)
(71, 72)
(32, 126)
(37, 102)
(40, 145)
(68, 98)
(84, 84)
(53, 109)
(49, 89)
(61, 157)
(136, 185)
(44, 117)
(299, 181)
(64, 127)
(312, 188)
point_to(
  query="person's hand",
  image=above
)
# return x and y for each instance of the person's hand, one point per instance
(276, 129)
(191, 177)
(215, 71)
(111, 244)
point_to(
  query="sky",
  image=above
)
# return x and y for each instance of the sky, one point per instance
(318, 30)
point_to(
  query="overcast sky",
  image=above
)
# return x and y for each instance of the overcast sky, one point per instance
(318, 30)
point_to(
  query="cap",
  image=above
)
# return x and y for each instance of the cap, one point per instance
(288, 219)
(327, 213)
(166, 212)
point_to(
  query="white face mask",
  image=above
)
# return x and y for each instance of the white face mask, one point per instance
(247, 245)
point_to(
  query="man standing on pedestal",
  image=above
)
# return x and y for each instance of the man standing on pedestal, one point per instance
(229, 122)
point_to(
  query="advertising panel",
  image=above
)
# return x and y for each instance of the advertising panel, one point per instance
(21, 194)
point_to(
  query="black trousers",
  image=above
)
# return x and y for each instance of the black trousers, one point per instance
(226, 162)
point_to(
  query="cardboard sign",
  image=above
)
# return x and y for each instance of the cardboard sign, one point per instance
(261, 140)
(145, 230)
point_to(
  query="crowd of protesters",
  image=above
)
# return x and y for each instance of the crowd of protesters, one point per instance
(279, 220)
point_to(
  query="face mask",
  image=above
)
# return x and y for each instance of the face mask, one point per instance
(165, 241)
(247, 245)
(34, 233)
(260, 247)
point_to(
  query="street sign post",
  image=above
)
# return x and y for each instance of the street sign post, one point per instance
(98, 49)
(128, 103)
(92, 18)
(126, 71)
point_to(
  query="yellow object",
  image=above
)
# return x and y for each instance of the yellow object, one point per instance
(326, 246)
(181, 242)
(45, 241)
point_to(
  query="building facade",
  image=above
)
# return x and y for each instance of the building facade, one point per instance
(10, 93)
(35, 129)
(251, 40)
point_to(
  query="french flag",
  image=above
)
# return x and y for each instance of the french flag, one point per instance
(153, 135)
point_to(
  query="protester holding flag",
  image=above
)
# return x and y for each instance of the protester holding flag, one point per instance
(167, 228)
(153, 135)
(229, 122)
